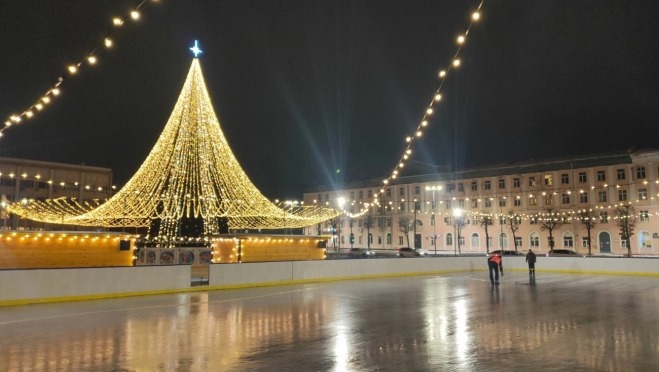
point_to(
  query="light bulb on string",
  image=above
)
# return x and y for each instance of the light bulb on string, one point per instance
(117, 21)
(424, 123)
(418, 134)
(55, 91)
(429, 111)
(408, 139)
(442, 74)
(476, 16)
(73, 69)
(135, 14)
(108, 42)
(45, 99)
(456, 62)
(92, 60)
(438, 97)
(461, 39)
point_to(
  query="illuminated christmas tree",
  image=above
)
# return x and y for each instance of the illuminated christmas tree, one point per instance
(191, 172)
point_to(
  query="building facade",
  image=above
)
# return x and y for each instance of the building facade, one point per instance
(528, 191)
(22, 180)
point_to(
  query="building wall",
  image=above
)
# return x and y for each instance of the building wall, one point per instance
(22, 179)
(530, 190)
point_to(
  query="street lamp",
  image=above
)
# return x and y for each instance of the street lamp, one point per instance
(341, 201)
(457, 213)
(291, 204)
(4, 214)
(414, 224)
(434, 205)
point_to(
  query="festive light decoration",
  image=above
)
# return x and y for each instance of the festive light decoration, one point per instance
(72, 69)
(430, 110)
(191, 172)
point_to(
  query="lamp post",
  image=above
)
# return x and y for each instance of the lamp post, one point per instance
(340, 201)
(457, 213)
(291, 204)
(434, 206)
(414, 224)
(4, 215)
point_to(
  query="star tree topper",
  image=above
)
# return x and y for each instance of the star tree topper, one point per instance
(195, 49)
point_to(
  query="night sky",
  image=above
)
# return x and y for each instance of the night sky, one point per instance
(303, 88)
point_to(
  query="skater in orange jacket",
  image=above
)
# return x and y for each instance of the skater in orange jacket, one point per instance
(495, 263)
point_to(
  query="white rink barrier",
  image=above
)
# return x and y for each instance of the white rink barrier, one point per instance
(587, 265)
(273, 273)
(276, 273)
(53, 285)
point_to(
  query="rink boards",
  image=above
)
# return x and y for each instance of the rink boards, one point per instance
(43, 285)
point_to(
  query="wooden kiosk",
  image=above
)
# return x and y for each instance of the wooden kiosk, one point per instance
(64, 249)
(236, 248)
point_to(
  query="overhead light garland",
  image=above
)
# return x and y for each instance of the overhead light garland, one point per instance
(90, 60)
(430, 110)
(191, 172)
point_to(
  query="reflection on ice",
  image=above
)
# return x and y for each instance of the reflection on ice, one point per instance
(426, 323)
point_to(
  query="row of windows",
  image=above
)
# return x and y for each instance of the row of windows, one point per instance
(487, 185)
(645, 240)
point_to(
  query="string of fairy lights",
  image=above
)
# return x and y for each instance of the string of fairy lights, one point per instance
(429, 111)
(190, 172)
(90, 59)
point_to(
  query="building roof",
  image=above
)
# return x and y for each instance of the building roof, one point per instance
(48, 164)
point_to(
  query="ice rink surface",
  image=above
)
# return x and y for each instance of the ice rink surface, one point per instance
(429, 323)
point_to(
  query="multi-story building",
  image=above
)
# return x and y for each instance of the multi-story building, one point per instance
(529, 191)
(22, 180)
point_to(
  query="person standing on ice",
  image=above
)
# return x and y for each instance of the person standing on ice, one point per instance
(495, 263)
(530, 259)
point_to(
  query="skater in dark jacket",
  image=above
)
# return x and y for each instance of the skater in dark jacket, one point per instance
(495, 263)
(530, 258)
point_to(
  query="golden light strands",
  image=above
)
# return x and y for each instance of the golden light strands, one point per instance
(455, 62)
(190, 172)
(71, 70)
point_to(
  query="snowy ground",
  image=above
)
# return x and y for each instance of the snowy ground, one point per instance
(448, 323)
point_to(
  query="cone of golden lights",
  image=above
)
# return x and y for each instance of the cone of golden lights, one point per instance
(191, 172)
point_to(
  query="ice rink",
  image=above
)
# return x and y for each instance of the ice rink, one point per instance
(429, 323)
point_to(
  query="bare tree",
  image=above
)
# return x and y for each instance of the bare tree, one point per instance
(406, 224)
(460, 223)
(626, 219)
(485, 221)
(588, 220)
(550, 222)
(369, 223)
(514, 220)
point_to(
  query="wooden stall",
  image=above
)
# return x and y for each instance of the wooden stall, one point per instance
(58, 249)
(233, 248)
